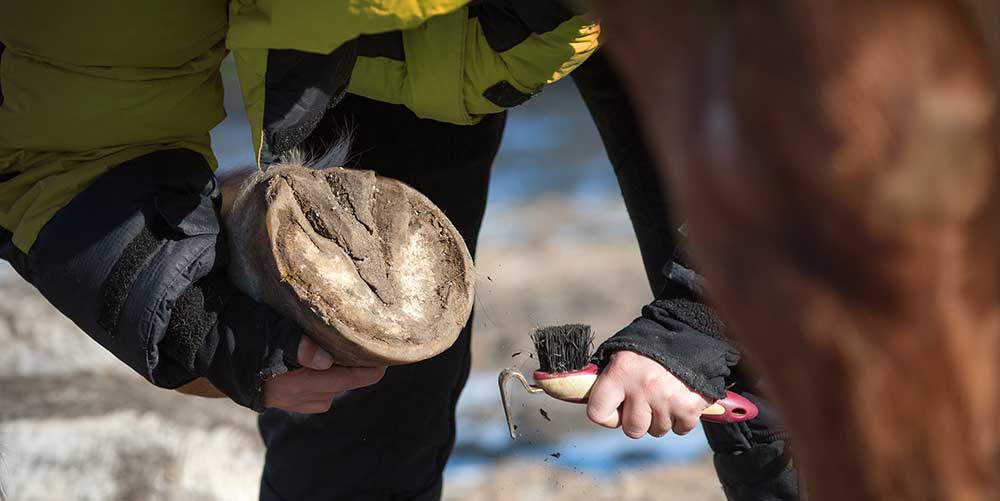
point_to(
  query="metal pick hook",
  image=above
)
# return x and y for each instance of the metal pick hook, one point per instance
(505, 376)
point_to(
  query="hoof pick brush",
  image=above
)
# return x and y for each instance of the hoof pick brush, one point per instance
(566, 373)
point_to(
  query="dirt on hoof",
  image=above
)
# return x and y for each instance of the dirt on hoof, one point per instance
(373, 271)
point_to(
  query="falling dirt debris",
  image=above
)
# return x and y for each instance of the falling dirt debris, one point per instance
(556, 455)
(545, 415)
(516, 353)
(489, 278)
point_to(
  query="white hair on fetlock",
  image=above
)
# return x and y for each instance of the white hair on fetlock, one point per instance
(334, 155)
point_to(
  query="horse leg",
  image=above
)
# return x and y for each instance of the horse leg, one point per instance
(836, 161)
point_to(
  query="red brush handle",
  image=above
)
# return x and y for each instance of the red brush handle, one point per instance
(734, 408)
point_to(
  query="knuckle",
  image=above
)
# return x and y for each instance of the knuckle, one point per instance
(593, 413)
(696, 401)
(634, 433)
(683, 427)
(660, 402)
(636, 425)
(624, 362)
(694, 409)
(658, 431)
(665, 425)
(599, 417)
(617, 370)
(650, 385)
(654, 384)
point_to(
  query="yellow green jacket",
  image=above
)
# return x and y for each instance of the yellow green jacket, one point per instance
(88, 85)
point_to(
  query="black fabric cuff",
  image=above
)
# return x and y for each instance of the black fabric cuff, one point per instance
(684, 336)
(250, 345)
(235, 342)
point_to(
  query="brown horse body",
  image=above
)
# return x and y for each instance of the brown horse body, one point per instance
(837, 164)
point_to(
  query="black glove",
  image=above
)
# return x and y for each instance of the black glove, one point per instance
(682, 334)
(137, 261)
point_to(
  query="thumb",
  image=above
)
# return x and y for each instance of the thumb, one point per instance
(605, 401)
(312, 356)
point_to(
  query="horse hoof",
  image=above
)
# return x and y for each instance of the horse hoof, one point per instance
(372, 270)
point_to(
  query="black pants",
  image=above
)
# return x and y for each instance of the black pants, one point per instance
(392, 440)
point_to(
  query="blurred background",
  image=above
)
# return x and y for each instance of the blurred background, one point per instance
(556, 247)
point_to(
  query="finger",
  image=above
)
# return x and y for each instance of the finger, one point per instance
(339, 379)
(312, 356)
(684, 425)
(290, 399)
(688, 413)
(605, 398)
(636, 417)
(661, 422)
(699, 402)
(312, 407)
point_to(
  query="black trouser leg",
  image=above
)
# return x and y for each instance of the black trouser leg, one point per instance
(391, 440)
(752, 459)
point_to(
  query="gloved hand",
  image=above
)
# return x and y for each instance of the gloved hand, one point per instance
(137, 261)
(663, 369)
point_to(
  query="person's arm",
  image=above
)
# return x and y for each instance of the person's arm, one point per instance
(108, 203)
(137, 260)
(667, 366)
(484, 58)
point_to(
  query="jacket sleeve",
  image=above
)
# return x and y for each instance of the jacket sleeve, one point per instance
(137, 261)
(481, 59)
(90, 85)
(681, 332)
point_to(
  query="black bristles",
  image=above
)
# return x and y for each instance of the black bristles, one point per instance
(563, 348)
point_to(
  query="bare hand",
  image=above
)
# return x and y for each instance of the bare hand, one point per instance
(640, 395)
(311, 389)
